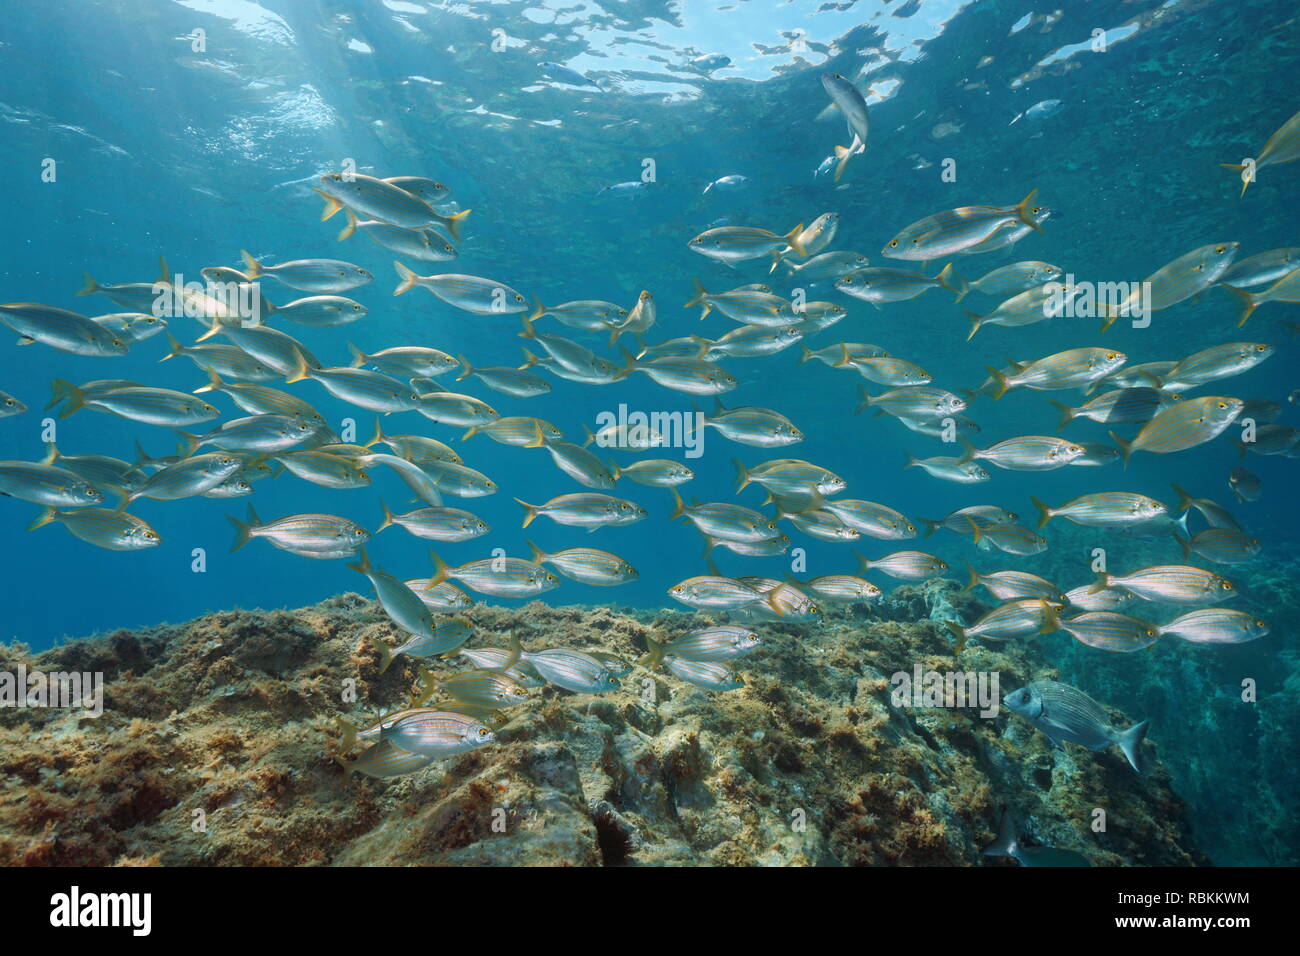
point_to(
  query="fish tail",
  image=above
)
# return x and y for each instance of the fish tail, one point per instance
(530, 512)
(954, 283)
(1125, 447)
(528, 332)
(679, 506)
(587, 436)
(51, 453)
(1005, 844)
(388, 516)
(1131, 740)
(864, 400)
(529, 360)
(174, 348)
(88, 285)
(252, 268)
(976, 532)
(974, 578)
(378, 436)
(930, 525)
(792, 240)
(976, 322)
(958, 634)
(408, 279)
(842, 156)
(332, 205)
(347, 736)
(1245, 183)
(1001, 385)
(654, 653)
(1101, 584)
(440, 570)
(539, 310)
(1183, 543)
(742, 474)
(1022, 211)
(807, 354)
(614, 332)
(1245, 299)
(1067, 413)
(469, 433)
(1051, 618)
(863, 564)
(1184, 499)
(243, 529)
(385, 655)
(912, 461)
(62, 389)
(969, 451)
(628, 366)
(300, 368)
(358, 357)
(1109, 315)
(351, 227)
(214, 384)
(699, 299)
(45, 517)
(453, 223)
(1044, 512)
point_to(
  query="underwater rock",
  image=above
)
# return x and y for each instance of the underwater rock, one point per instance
(217, 740)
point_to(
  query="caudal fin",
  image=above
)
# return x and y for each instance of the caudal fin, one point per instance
(954, 283)
(1245, 299)
(1125, 447)
(1024, 211)
(1130, 741)
(1067, 413)
(409, 279)
(959, 635)
(1000, 383)
(252, 268)
(530, 512)
(1044, 512)
(243, 529)
(699, 299)
(88, 285)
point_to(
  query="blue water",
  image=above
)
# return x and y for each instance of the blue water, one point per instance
(161, 150)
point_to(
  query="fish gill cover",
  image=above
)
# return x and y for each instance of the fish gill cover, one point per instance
(947, 524)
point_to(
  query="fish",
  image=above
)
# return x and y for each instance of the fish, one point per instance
(724, 520)
(453, 408)
(440, 597)
(726, 183)
(714, 592)
(302, 533)
(843, 588)
(404, 608)
(732, 244)
(1262, 268)
(373, 391)
(827, 265)
(426, 244)
(44, 484)
(573, 670)
(964, 520)
(1068, 715)
(10, 405)
(434, 733)
(906, 565)
(186, 479)
(1011, 538)
(519, 431)
(654, 472)
(109, 528)
(498, 577)
(819, 233)
(131, 327)
(876, 286)
(590, 510)
(1222, 546)
(1026, 453)
(1107, 509)
(468, 293)
(947, 233)
(752, 425)
(639, 320)
(383, 201)
(564, 74)
(255, 433)
(586, 565)
(720, 642)
(870, 518)
(750, 341)
(789, 476)
(1188, 275)
(1282, 147)
(1017, 277)
(321, 311)
(887, 370)
(1245, 485)
(263, 400)
(98, 470)
(1216, 625)
(1122, 405)
(1170, 584)
(1274, 439)
(132, 296)
(1014, 585)
(1030, 307)
(324, 468)
(153, 406)
(918, 402)
(1111, 631)
(310, 275)
(1216, 362)
(385, 760)
(960, 470)
(1074, 368)
(517, 382)
(579, 464)
(708, 675)
(1108, 599)
(222, 360)
(406, 361)
(820, 524)
(436, 523)
(1212, 512)
(587, 314)
(1182, 425)
(488, 687)
(1025, 617)
(693, 376)
(61, 330)
(854, 109)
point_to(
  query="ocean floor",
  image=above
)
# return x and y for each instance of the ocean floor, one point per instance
(218, 739)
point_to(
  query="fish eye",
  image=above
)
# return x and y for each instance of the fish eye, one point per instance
(1219, 249)
(911, 527)
(1223, 404)
(1259, 624)
(1226, 585)
(1034, 210)
(358, 532)
(893, 243)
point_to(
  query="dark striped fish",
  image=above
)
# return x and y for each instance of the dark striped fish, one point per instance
(1068, 715)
